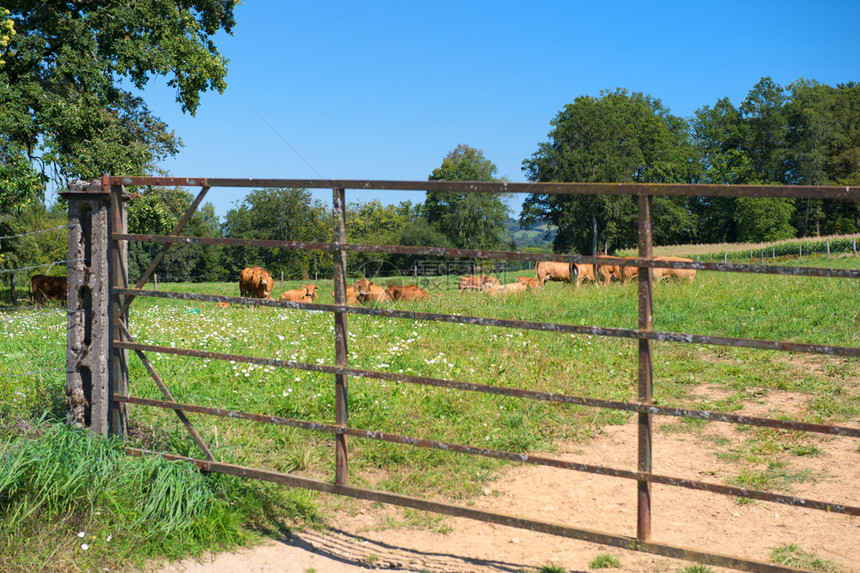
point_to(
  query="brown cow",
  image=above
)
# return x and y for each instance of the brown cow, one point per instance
(351, 295)
(605, 271)
(680, 274)
(554, 271)
(306, 293)
(255, 282)
(530, 283)
(488, 282)
(407, 292)
(369, 292)
(481, 282)
(628, 273)
(44, 287)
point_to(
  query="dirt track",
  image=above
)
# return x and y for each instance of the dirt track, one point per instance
(362, 537)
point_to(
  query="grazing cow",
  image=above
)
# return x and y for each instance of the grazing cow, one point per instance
(566, 272)
(351, 295)
(510, 288)
(628, 273)
(369, 292)
(44, 287)
(680, 274)
(407, 292)
(605, 271)
(223, 305)
(530, 283)
(306, 293)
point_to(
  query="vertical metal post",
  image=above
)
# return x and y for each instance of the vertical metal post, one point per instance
(646, 319)
(118, 273)
(340, 335)
(13, 297)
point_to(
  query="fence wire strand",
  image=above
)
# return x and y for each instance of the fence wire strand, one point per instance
(36, 232)
(49, 265)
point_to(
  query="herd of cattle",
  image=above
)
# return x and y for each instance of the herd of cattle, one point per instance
(256, 282)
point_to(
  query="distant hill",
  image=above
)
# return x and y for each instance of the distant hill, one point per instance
(537, 235)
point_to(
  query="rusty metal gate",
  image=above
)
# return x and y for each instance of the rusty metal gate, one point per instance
(110, 190)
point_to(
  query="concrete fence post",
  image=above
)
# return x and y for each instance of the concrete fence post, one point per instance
(88, 347)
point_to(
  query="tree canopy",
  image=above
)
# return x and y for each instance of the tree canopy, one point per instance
(68, 70)
(805, 134)
(618, 137)
(467, 220)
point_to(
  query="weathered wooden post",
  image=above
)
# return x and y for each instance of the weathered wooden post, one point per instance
(88, 349)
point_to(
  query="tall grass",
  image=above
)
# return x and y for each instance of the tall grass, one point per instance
(67, 489)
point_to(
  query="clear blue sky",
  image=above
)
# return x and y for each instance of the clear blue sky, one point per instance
(384, 90)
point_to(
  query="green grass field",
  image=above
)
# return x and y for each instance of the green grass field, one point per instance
(798, 309)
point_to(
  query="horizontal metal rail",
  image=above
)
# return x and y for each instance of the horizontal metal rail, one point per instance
(497, 454)
(620, 541)
(495, 255)
(634, 189)
(502, 391)
(636, 334)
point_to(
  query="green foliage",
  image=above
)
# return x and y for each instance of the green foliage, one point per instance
(758, 219)
(468, 220)
(619, 137)
(806, 134)
(605, 561)
(65, 74)
(157, 211)
(20, 186)
(279, 214)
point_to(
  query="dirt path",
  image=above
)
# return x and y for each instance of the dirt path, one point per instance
(364, 538)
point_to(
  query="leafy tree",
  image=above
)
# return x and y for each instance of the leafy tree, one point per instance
(619, 137)
(373, 222)
(278, 214)
(467, 220)
(762, 219)
(419, 233)
(766, 132)
(824, 149)
(67, 70)
(157, 211)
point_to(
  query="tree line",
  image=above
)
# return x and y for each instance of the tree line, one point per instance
(68, 112)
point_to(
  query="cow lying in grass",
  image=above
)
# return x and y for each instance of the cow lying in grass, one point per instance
(407, 292)
(307, 293)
